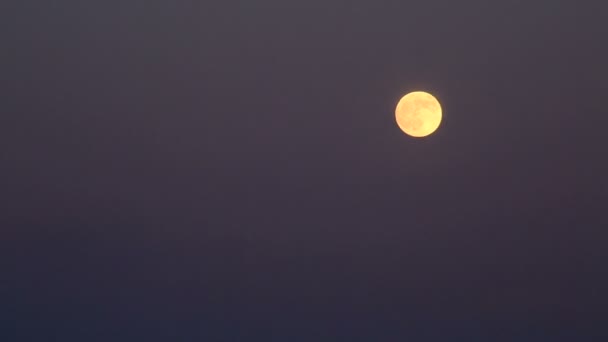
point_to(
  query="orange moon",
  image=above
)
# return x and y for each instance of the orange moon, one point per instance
(418, 114)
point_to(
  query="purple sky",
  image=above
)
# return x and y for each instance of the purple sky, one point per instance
(232, 171)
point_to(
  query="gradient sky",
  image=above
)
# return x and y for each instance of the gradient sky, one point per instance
(232, 171)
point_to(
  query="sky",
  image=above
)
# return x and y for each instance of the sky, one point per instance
(232, 171)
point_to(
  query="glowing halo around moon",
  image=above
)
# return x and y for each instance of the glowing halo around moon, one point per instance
(418, 114)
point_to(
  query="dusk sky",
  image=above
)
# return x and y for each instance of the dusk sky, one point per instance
(231, 171)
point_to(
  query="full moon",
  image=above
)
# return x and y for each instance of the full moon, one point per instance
(418, 114)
